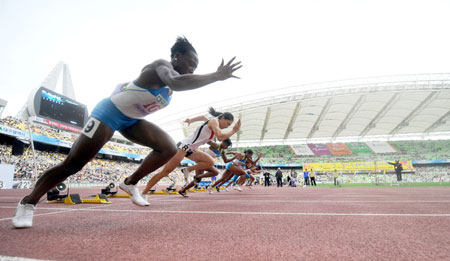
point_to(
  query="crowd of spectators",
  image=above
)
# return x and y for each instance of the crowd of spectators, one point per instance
(96, 171)
(104, 170)
(280, 154)
(405, 150)
(69, 136)
(420, 174)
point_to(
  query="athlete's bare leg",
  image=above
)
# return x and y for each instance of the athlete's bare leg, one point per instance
(241, 180)
(148, 134)
(210, 172)
(225, 176)
(202, 161)
(169, 167)
(233, 169)
(83, 150)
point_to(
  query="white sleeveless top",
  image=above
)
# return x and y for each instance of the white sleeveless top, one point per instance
(137, 102)
(200, 136)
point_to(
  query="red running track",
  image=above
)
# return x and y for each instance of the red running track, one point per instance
(260, 224)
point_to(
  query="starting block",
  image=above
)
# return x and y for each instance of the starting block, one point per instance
(163, 192)
(118, 196)
(74, 199)
(99, 199)
(71, 199)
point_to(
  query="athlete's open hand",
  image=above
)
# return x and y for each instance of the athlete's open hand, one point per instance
(226, 71)
(237, 126)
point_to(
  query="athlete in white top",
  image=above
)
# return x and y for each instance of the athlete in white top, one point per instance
(215, 151)
(188, 147)
(137, 102)
(159, 78)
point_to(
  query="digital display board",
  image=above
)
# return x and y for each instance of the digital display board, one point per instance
(51, 105)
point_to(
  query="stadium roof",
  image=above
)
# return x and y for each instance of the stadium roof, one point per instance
(380, 108)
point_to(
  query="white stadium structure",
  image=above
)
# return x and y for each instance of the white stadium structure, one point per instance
(369, 121)
(379, 108)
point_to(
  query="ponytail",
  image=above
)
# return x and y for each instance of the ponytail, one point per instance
(226, 115)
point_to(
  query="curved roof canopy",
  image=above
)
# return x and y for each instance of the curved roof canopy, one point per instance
(411, 106)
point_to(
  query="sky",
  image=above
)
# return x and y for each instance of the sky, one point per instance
(280, 43)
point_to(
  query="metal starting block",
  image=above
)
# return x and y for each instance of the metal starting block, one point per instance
(74, 199)
(118, 196)
(99, 199)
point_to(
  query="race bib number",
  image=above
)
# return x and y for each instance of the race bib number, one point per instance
(91, 127)
(183, 147)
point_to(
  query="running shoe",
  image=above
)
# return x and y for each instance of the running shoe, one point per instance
(23, 217)
(218, 189)
(237, 188)
(226, 189)
(210, 189)
(135, 194)
(183, 193)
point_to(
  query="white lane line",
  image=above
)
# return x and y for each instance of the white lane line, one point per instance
(13, 258)
(59, 210)
(95, 209)
(272, 213)
(310, 201)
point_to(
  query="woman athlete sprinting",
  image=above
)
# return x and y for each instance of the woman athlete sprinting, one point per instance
(189, 145)
(234, 167)
(124, 111)
(214, 151)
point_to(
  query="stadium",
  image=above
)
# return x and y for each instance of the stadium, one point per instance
(346, 132)
(373, 120)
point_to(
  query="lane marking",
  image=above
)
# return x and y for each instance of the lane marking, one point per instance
(273, 213)
(311, 201)
(13, 258)
(94, 209)
(59, 210)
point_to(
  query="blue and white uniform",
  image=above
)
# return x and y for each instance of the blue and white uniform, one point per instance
(236, 162)
(128, 103)
(213, 153)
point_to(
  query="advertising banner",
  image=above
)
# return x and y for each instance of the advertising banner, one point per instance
(302, 149)
(355, 166)
(319, 149)
(359, 148)
(339, 149)
(381, 147)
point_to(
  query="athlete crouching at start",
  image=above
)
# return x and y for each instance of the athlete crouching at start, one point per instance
(215, 151)
(189, 145)
(124, 111)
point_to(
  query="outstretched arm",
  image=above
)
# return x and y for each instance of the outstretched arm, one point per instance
(259, 157)
(198, 118)
(226, 159)
(186, 82)
(221, 136)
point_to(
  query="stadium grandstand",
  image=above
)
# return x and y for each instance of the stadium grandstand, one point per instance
(356, 126)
